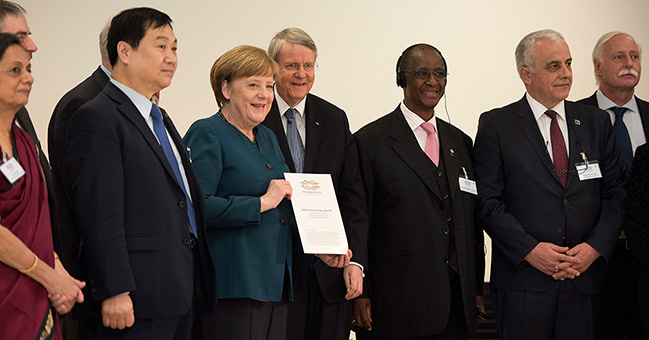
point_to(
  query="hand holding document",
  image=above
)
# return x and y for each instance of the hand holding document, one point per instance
(317, 214)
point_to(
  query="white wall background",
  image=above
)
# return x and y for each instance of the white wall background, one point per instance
(359, 42)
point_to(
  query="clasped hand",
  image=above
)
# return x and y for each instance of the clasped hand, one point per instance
(562, 262)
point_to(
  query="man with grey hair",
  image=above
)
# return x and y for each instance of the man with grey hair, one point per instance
(617, 64)
(57, 132)
(314, 137)
(550, 194)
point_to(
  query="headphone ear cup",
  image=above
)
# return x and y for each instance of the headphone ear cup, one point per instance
(401, 79)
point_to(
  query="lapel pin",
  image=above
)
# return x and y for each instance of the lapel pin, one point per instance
(317, 123)
(577, 122)
(452, 152)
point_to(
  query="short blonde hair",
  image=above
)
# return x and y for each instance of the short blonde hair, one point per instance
(240, 62)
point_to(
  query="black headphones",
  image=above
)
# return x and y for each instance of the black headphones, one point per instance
(401, 76)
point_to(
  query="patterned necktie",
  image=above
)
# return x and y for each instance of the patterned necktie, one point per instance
(559, 153)
(432, 147)
(294, 140)
(159, 128)
(623, 139)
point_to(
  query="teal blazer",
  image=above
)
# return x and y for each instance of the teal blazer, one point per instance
(251, 251)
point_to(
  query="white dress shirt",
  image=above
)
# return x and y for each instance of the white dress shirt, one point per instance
(631, 118)
(543, 121)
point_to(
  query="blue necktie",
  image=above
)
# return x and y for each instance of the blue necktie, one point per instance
(159, 128)
(623, 139)
(294, 140)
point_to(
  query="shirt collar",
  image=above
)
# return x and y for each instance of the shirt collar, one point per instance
(282, 106)
(413, 120)
(539, 109)
(142, 103)
(103, 68)
(604, 103)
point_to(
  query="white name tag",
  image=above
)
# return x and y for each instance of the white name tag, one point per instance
(588, 171)
(468, 185)
(12, 170)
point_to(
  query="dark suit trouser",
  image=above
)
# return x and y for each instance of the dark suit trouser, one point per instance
(643, 298)
(247, 319)
(456, 328)
(616, 312)
(560, 313)
(310, 316)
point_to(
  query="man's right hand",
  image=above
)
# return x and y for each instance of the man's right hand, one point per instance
(551, 259)
(117, 312)
(362, 314)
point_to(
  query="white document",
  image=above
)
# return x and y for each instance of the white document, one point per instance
(317, 214)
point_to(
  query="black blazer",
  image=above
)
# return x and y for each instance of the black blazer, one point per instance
(636, 220)
(409, 283)
(643, 106)
(25, 122)
(56, 134)
(521, 201)
(330, 149)
(131, 211)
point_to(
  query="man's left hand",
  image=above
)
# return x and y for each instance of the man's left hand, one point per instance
(336, 261)
(585, 254)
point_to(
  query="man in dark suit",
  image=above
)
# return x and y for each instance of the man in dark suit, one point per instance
(12, 21)
(550, 195)
(616, 58)
(425, 251)
(321, 308)
(138, 203)
(58, 128)
(57, 132)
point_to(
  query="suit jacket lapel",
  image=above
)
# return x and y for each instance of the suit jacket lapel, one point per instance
(128, 109)
(274, 122)
(530, 128)
(643, 107)
(448, 142)
(406, 146)
(574, 138)
(313, 130)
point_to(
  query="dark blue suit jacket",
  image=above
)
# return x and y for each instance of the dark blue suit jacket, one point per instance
(131, 211)
(522, 202)
(331, 149)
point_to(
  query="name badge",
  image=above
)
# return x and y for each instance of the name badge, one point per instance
(12, 170)
(468, 185)
(588, 170)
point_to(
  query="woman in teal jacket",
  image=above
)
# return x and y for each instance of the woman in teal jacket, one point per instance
(250, 227)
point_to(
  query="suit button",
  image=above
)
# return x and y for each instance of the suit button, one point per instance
(283, 221)
(446, 259)
(269, 166)
(448, 219)
(565, 201)
(445, 231)
(559, 230)
(445, 196)
(93, 290)
(187, 241)
(439, 174)
(181, 204)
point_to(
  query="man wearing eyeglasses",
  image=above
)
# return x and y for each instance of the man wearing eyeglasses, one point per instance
(314, 137)
(550, 195)
(425, 251)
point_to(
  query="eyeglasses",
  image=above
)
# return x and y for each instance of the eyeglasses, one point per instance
(425, 74)
(308, 67)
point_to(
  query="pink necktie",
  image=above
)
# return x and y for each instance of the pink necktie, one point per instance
(432, 148)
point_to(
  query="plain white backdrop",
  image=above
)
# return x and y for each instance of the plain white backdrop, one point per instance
(358, 41)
